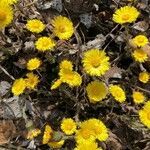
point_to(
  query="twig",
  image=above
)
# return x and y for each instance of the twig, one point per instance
(6, 72)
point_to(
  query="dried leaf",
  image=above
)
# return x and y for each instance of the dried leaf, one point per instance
(4, 87)
(7, 131)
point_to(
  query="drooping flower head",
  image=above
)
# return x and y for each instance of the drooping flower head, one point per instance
(144, 114)
(6, 15)
(118, 93)
(47, 136)
(33, 63)
(56, 84)
(33, 133)
(140, 56)
(63, 27)
(138, 97)
(95, 62)
(68, 126)
(96, 91)
(18, 86)
(45, 44)
(126, 14)
(35, 25)
(57, 145)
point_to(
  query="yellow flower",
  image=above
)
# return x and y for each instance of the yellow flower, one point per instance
(95, 62)
(32, 80)
(96, 91)
(56, 144)
(140, 56)
(65, 64)
(144, 114)
(18, 86)
(6, 15)
(138, 97)
(9, 2)
(33, 133)
(140, 40)
(99, 129)
(68, 126)
(35, 25)
(118, 93)
(144, 77)
(63, 27)
(87, 145)
(33, 64)
(90, 130)
(72, 78)
(44, 44)
(126, 14)
(56, 84)
(47, 136)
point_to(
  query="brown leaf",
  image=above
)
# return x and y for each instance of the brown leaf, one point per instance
(146, 49)
(7, 131)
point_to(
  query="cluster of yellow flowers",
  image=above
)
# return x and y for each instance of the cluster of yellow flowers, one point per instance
(62, 28)
(85, 133)
(67, 75)
(30, 82)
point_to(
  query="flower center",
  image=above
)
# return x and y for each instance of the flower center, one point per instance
(2, 16)
(69, 127)
(86, 134)
(95, 63)
(62, 29)
(140, 40)
(125, 17)
(35, 25)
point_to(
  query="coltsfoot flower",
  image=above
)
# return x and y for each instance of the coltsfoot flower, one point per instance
(126, 14)
(95, 62)
(63, 27)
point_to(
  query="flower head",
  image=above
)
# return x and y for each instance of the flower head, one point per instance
(66, 64)
(33, 63)
(140, 56)
(87, 145)
(63, 27)
(144, 114)
(72, 78)
(6, 15)
(140, 40)
(18, 86)
(32, 80)
(144, 77)
(126, 14)
(9, 2)
(44, 44)
(35, 25)
(47, 134)
(33, 133)
(57, 145)
(118, 93)
(96, 91)
(68, 126)
(138, 97)
(95, 62)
